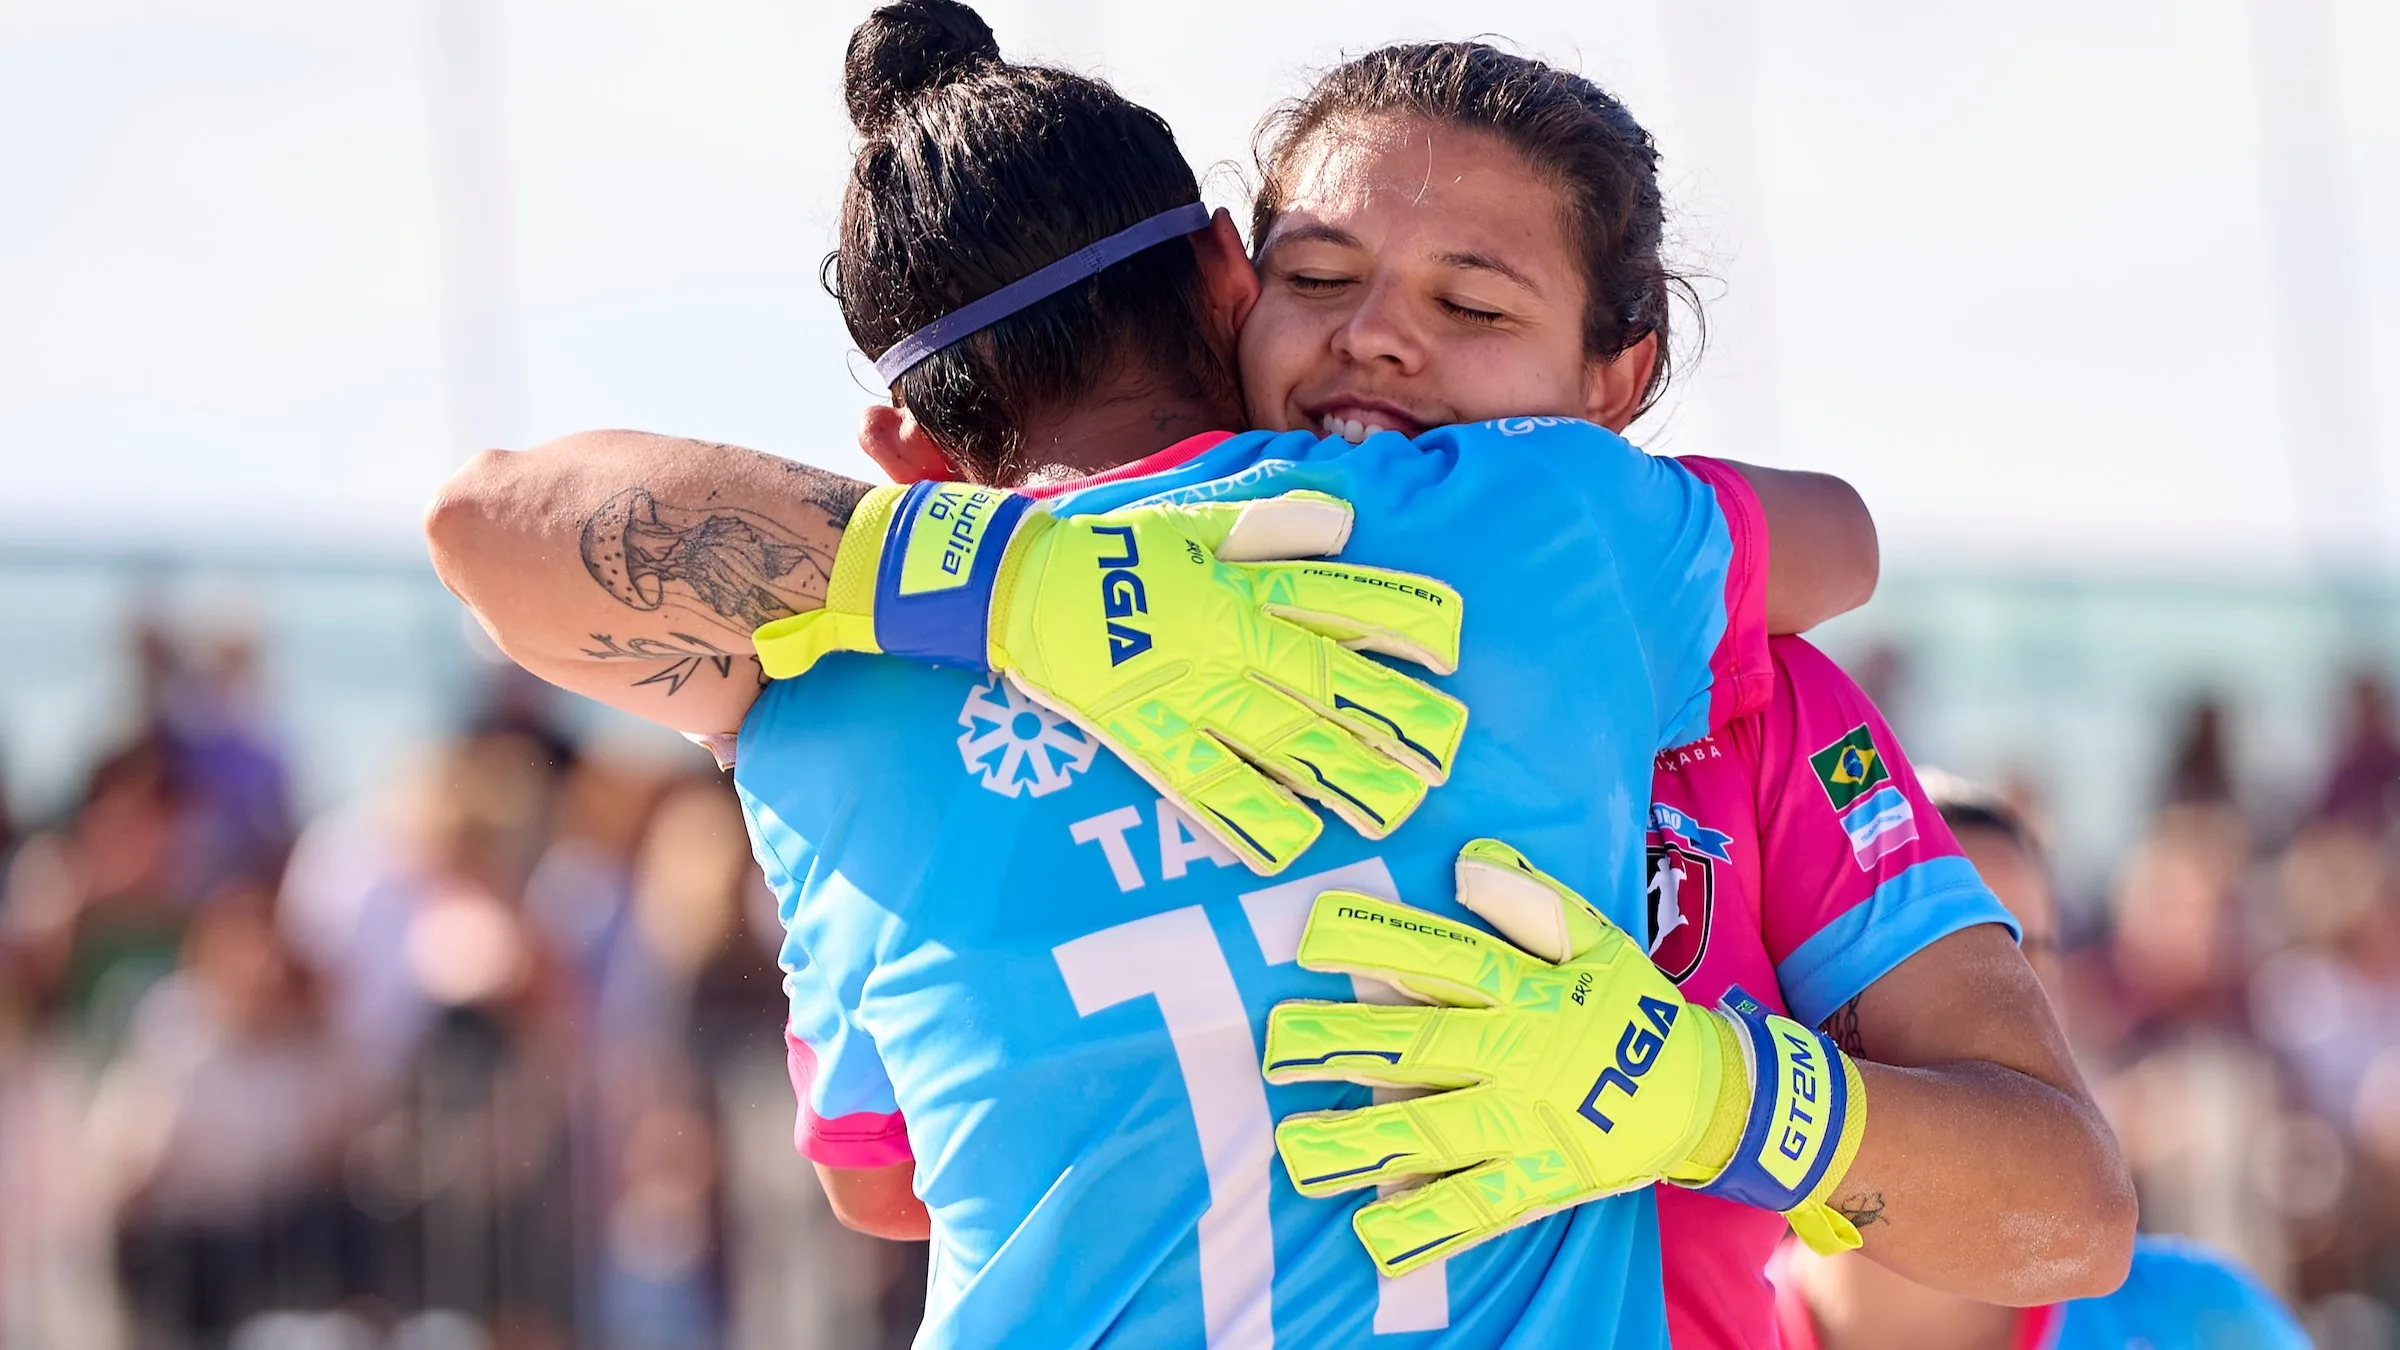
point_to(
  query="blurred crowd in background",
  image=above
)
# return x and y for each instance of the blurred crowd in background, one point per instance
(490, 1055)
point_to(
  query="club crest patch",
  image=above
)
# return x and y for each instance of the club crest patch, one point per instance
(1015, 745)
(1682, 879)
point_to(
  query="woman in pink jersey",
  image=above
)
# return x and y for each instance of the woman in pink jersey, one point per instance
(1448, 233)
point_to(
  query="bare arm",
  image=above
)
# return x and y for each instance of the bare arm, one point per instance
(1986, 1169)
(633, 568)
(1824, 555)
(878, 1201)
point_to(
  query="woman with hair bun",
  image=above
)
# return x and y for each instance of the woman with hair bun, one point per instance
(1025, 1017)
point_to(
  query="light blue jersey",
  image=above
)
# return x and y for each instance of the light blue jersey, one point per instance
(2179, 1296)
(1011, 961)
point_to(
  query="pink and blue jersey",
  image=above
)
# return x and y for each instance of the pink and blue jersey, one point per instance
(1011, 963)
(2178, 1296)
(1793, 853)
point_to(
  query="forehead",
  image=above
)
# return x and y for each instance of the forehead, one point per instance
(1397, 180)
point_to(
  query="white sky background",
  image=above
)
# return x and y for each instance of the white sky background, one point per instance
(2006, 268)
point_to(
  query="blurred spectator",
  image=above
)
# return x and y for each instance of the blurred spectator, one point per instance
(371, 885)
(2360, 788)
(462, 1031)
(2176, 1294)
(218, 1126)
(105, 902)
(56, 1272)
(2200, 767)
(201, 703)
(2164, 1012)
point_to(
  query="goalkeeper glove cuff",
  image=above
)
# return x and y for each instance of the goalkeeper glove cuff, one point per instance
(915, 576)
(1787, 1128)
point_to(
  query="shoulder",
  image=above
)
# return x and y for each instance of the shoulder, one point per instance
(1805, 677)
(1564, 450)
(1817, 718)
(1803, 663)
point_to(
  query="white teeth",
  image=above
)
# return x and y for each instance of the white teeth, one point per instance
(1347, 429)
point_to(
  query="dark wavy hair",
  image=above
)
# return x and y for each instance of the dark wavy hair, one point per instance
(973, 172)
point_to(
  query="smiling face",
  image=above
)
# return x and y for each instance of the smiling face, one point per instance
(1422, 274)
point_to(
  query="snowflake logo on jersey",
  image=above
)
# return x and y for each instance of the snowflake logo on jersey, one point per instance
(1016, 744)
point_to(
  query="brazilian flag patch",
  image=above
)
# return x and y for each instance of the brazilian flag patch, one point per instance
(1849, 768)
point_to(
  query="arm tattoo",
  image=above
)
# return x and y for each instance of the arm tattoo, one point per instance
(1843, 1027)
(739, 564)
(836, 497)
(684, 655)
(1863, 1210)
(1866, 1207)
(674, 647)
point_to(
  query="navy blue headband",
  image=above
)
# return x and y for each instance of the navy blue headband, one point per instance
(977, 315)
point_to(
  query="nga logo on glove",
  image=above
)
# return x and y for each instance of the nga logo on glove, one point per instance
(1637, 1050)
(1122, 597)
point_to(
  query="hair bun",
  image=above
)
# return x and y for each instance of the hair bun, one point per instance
(904, 49)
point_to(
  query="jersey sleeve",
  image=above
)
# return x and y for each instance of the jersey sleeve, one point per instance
(848, 1114)
(848, 1117)
(1857, 870)
(1741, 674)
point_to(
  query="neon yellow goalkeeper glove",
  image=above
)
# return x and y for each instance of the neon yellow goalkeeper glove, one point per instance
(1572, 1072)
(1165, 632)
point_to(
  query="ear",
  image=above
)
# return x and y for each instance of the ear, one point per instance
(892, 438)
(1227, 280)
(1612, 389)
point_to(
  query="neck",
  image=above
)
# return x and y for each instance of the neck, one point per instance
(1119, 423)
(1859, 1305)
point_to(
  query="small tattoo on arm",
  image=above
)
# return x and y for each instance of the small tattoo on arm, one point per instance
(673, 646)
(1862, 1210)
(683, 654)
(1843, 1027)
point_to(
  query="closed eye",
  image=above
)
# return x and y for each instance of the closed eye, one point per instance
(1317, 285)
(1471, 314)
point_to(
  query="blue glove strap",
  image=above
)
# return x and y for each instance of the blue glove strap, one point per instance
(941, 558)
(1799, 1098)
